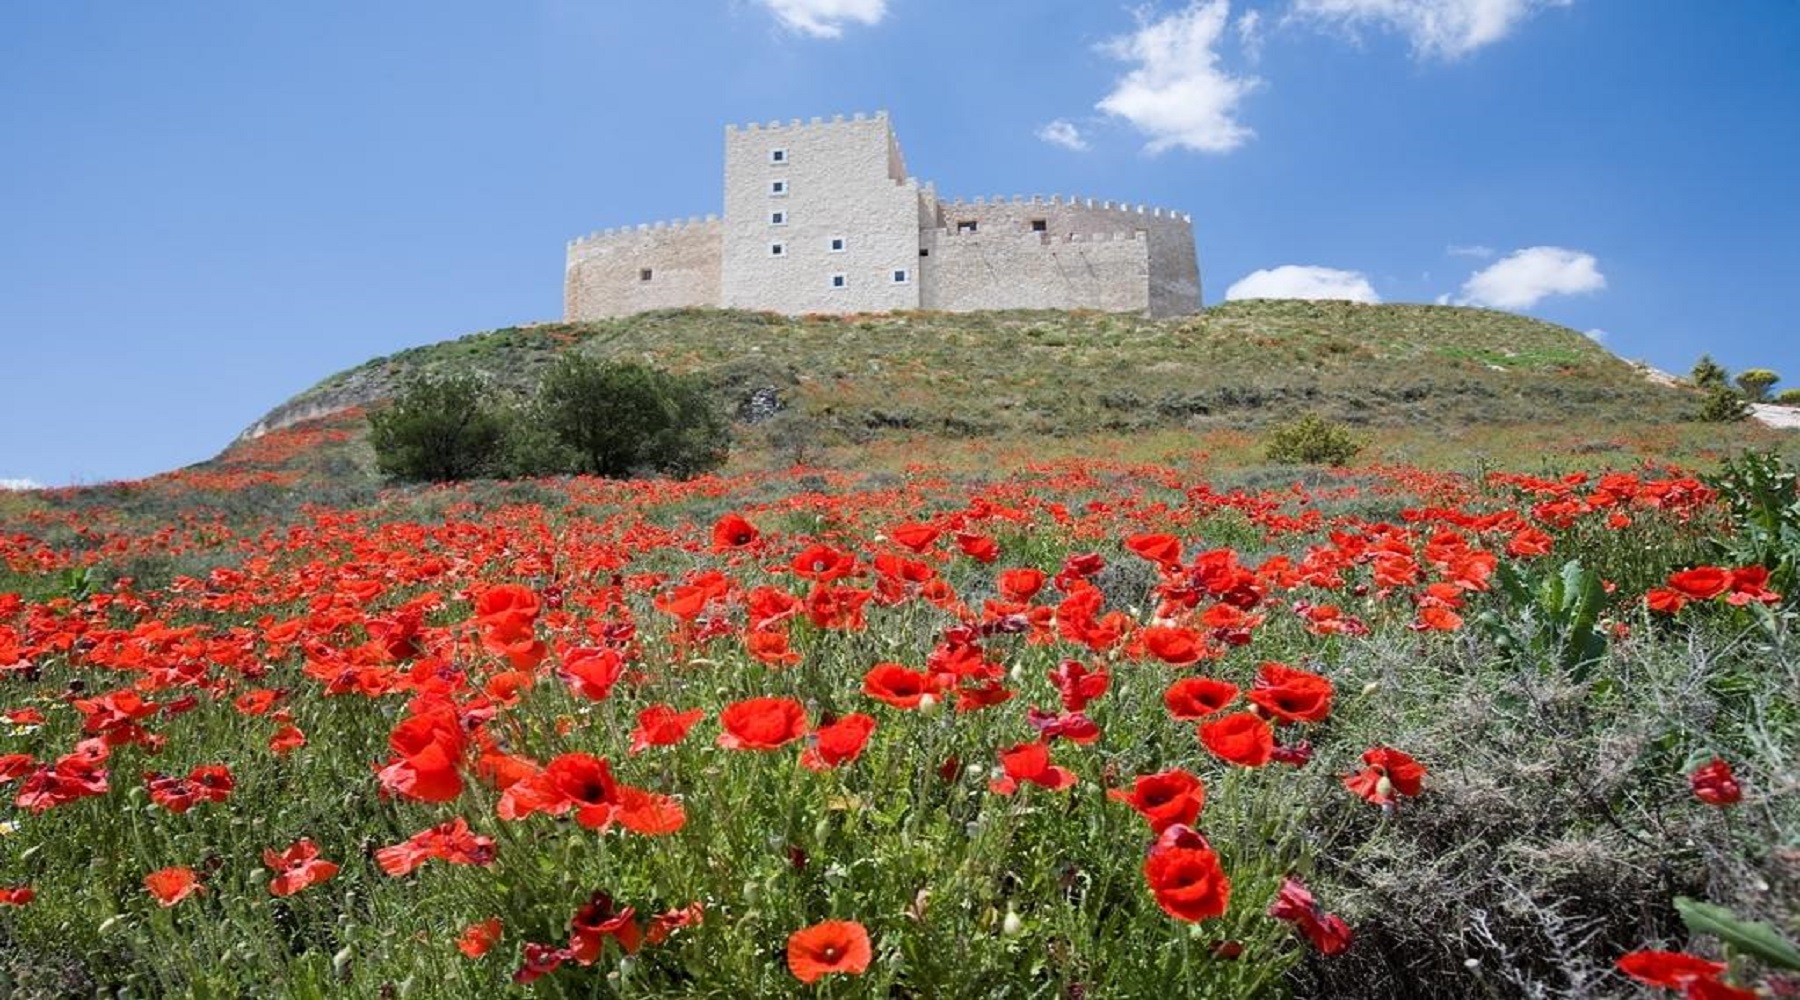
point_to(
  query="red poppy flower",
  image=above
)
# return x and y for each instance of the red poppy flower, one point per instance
(1030, 762)
(662, 726)
(771, 648)
(1193, 698)
(1295, 904)
(1714, 784)
(297, 867)
(1702, 583)
(733, 532)
(823, 563)
(506, 609)
(1389, 773)
(287, 739)
(1749, 584)
(1187, 882)
(1021, 583)
(540, 960)
(1290, 694)
(978, 547)
(898, 686)
(669, 921)
(762, 724)
(1165, 798)
(1164, 550)
(834, 946)
(591, 673)
(17, 895)
(838, 743)
(1178, 647)
(477, 938)
(1077, 684)
(917, 537)
(1668, 969)
(172, 885)
(1664, 601)
(598, 920)
(1241, 738)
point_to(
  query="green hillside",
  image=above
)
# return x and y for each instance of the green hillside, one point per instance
(1241, 365)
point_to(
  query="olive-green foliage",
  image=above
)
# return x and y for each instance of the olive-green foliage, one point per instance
(1709, 374)
(622, 417)
(439, 428)
(1756, 383)
(1312, 440)
(1788, 397)
(1722, 405)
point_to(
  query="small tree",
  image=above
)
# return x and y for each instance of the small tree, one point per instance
(620, 417)
(1755, 382)
(1709, 374)
(1788, 397)
(438, 428)
(1722, 405)
(1312, 440)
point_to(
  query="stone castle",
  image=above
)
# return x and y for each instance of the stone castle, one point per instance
(822, 218)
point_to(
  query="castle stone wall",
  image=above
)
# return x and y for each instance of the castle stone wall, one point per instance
(605, 272)
(840, 183)
(1008, 270)
(821, 216)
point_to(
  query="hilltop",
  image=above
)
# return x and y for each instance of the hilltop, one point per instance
(862, 379)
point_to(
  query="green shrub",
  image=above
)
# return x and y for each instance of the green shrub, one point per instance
(1788, 397)
(619, 418)
(1709, 374)
(1312, 440)
(1722, 405)
(439, 428)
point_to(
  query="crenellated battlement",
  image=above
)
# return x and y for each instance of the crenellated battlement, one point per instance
(691, 222)
(815, 122)
(822, 215)
(1065, 201)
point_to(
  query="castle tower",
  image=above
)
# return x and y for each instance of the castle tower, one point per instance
(819, 217)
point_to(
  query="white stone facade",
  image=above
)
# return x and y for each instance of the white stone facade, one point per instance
(821, 217)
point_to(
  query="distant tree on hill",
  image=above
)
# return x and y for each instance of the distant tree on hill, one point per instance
(1756, 382)
(1709, 374)
(1788, 397)
(620, 418)
(437, 429)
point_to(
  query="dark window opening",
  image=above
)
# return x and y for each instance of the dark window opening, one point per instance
(924, 251)
(1040, 225)
(966, 226)
(645, 274)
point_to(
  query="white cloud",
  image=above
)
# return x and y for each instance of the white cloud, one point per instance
(1522, 278)
(1442, 29)
(20, 484)
(1177, 94)
(1062, 133)
(1249, 32)
(826, 18)
(1300, 281)
(1597, 335)
(1475, 250)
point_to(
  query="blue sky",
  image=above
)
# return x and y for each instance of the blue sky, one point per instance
(205, 208)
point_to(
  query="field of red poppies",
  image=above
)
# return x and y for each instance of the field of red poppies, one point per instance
(1077, 730)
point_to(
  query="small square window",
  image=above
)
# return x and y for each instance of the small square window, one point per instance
(777, 156)
(900, 277)
(645, 274)
(1040, 225)
(837, 244)
(924, 251)
(777, 249)
(839, 281)
(966, 226)
(777, 218)
(778, 187)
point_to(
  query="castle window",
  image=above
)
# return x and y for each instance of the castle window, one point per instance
(900, 277)
(837, 244)
(645, 274)
(924, 251)
(1040, 225)
(777, 249)
(839, 281)
(778, 187)
(966, 226)
(777, 156)
(777, 218)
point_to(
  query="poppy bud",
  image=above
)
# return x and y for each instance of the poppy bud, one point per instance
(1012, 925)
(1384, 788)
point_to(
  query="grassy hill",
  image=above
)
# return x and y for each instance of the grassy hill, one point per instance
(1022, 376)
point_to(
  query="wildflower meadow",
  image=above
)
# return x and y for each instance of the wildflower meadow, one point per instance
(1080, 729)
